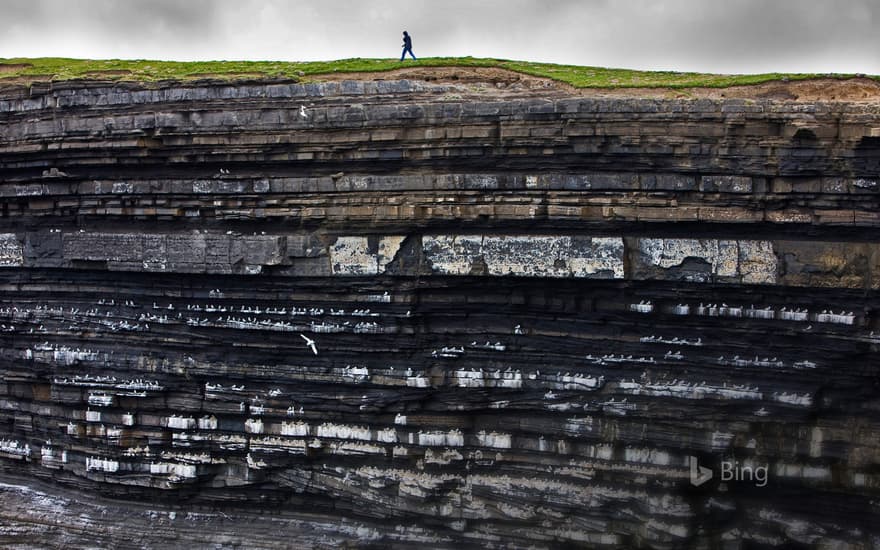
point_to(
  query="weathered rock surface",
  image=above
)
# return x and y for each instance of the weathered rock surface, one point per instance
(397, 314)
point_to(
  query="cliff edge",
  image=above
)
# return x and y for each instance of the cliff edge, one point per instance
(479, 311)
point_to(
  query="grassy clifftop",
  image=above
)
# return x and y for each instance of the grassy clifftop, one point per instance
(55, 68)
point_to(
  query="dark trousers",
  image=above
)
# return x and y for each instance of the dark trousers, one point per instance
(404, 53)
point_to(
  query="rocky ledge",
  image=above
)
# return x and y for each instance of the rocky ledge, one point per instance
(408, 314)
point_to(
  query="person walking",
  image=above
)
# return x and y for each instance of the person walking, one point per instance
(407, 46)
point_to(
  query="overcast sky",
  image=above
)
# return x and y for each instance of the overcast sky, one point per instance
(733, 36)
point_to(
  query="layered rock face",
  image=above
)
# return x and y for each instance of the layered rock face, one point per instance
(404, 314)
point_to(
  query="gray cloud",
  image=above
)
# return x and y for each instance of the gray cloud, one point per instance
(777, 35)
(717, 36)
(105, 28)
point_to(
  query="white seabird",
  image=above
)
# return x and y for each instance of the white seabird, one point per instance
(310, 343)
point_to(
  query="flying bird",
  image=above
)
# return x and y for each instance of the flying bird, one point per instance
(310, 343)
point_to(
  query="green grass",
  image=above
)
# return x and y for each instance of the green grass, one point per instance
(56, 68)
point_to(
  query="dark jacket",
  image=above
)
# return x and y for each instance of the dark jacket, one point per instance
(407, 42)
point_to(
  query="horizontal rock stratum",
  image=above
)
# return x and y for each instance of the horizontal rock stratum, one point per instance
(423, 314)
